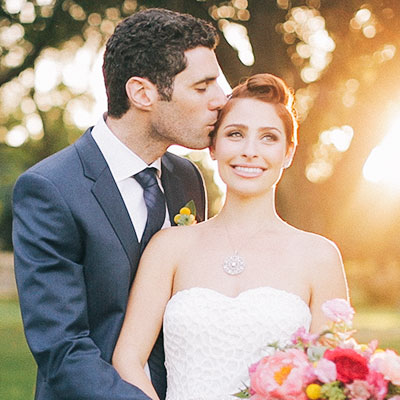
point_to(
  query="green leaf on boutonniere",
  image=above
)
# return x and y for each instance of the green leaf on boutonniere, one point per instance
(187, 214)
(192, 207)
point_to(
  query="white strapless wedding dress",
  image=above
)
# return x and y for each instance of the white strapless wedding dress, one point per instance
(211, 339)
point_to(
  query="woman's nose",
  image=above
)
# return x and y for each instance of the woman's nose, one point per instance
(249, 147)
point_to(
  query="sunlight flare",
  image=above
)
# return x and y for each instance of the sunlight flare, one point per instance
(383, 163)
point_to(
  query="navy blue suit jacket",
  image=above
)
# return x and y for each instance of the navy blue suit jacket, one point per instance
(76, 255)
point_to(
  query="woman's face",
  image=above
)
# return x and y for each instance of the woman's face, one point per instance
(251, 147)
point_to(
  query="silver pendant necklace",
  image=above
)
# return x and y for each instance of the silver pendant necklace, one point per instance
(234, 265)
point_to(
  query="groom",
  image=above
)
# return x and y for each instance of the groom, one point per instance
(83, 216)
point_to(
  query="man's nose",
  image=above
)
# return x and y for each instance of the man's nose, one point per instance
(219, 99)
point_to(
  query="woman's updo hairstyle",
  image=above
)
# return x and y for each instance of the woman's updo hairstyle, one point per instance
(270, 89)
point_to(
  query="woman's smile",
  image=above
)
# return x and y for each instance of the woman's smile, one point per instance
(248, 171)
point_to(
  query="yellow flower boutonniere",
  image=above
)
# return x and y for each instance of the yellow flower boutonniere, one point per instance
(187, 215)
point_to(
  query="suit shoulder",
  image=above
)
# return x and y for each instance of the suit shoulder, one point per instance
(58, 162)
(62, 164)
(183, 167)
(177, 161)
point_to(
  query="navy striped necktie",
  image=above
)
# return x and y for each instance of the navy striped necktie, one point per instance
(155, 203)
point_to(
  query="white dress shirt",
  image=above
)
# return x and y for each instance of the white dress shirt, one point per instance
(123, 164)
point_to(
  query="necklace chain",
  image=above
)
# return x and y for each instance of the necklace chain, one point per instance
(235, 264)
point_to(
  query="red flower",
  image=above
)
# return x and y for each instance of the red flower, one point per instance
(349, 364)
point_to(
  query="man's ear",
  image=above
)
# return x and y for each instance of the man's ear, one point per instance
(289, 155)
(141, 92)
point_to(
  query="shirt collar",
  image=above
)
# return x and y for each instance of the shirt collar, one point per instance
(122, 161)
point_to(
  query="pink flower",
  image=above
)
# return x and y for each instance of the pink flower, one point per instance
(283, 375)
(372, 346)
(325, 370)
(388, 364)
(338, 310)
(253, 367)
(359, 390)
(304, 337)
(367, 350)
(378, 384)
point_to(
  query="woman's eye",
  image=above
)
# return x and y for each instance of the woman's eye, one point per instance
(270, 137)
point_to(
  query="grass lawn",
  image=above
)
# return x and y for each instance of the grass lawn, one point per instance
(17, 368)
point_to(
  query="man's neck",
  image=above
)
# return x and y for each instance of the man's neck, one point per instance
(134, 134)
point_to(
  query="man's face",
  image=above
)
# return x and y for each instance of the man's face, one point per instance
(189, 118)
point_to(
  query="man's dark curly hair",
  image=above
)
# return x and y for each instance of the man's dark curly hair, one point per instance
(151, 44)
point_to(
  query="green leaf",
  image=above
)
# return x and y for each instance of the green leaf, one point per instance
(315, 353)
(333, 391)
(191, 206)
(393, 389)
(243, 394)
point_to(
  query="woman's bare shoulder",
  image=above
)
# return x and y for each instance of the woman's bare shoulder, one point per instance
(316, 247)
(173, 238)
(322, 263)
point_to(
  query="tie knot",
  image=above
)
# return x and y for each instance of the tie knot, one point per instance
(147, 177)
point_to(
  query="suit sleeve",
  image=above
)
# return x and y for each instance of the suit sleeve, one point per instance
(51, 286)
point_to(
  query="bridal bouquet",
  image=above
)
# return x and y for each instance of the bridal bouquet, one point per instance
(331, 365)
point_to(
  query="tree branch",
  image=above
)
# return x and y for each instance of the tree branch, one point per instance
(41, 42)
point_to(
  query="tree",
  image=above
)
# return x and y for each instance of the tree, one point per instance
(340, 57)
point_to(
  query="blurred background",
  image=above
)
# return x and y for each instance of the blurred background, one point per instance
(342, 59)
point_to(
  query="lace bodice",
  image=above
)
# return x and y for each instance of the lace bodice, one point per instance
(211, 339)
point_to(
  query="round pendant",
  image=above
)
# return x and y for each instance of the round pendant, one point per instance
(233, 265)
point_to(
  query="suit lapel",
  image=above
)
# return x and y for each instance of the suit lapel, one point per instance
(108, 196)
(173, 188)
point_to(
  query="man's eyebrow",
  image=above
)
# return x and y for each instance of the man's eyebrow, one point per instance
(206, 80)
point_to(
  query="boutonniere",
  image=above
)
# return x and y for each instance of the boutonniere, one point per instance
(187, 215)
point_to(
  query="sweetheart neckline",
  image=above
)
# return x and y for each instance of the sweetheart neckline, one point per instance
(233, 298)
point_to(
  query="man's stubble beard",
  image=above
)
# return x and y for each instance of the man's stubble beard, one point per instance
(167, 131)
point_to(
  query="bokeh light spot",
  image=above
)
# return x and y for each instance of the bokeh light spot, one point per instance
(362, 16)
(11, 35)
(46, 75)
(14, 6)
(369, 31)
(383, 163)
(236, 35)
(17, 136)
(44, 2)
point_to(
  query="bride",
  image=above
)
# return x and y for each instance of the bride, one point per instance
(226, 288)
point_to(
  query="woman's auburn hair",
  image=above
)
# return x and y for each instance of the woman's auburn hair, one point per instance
(269, 89)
